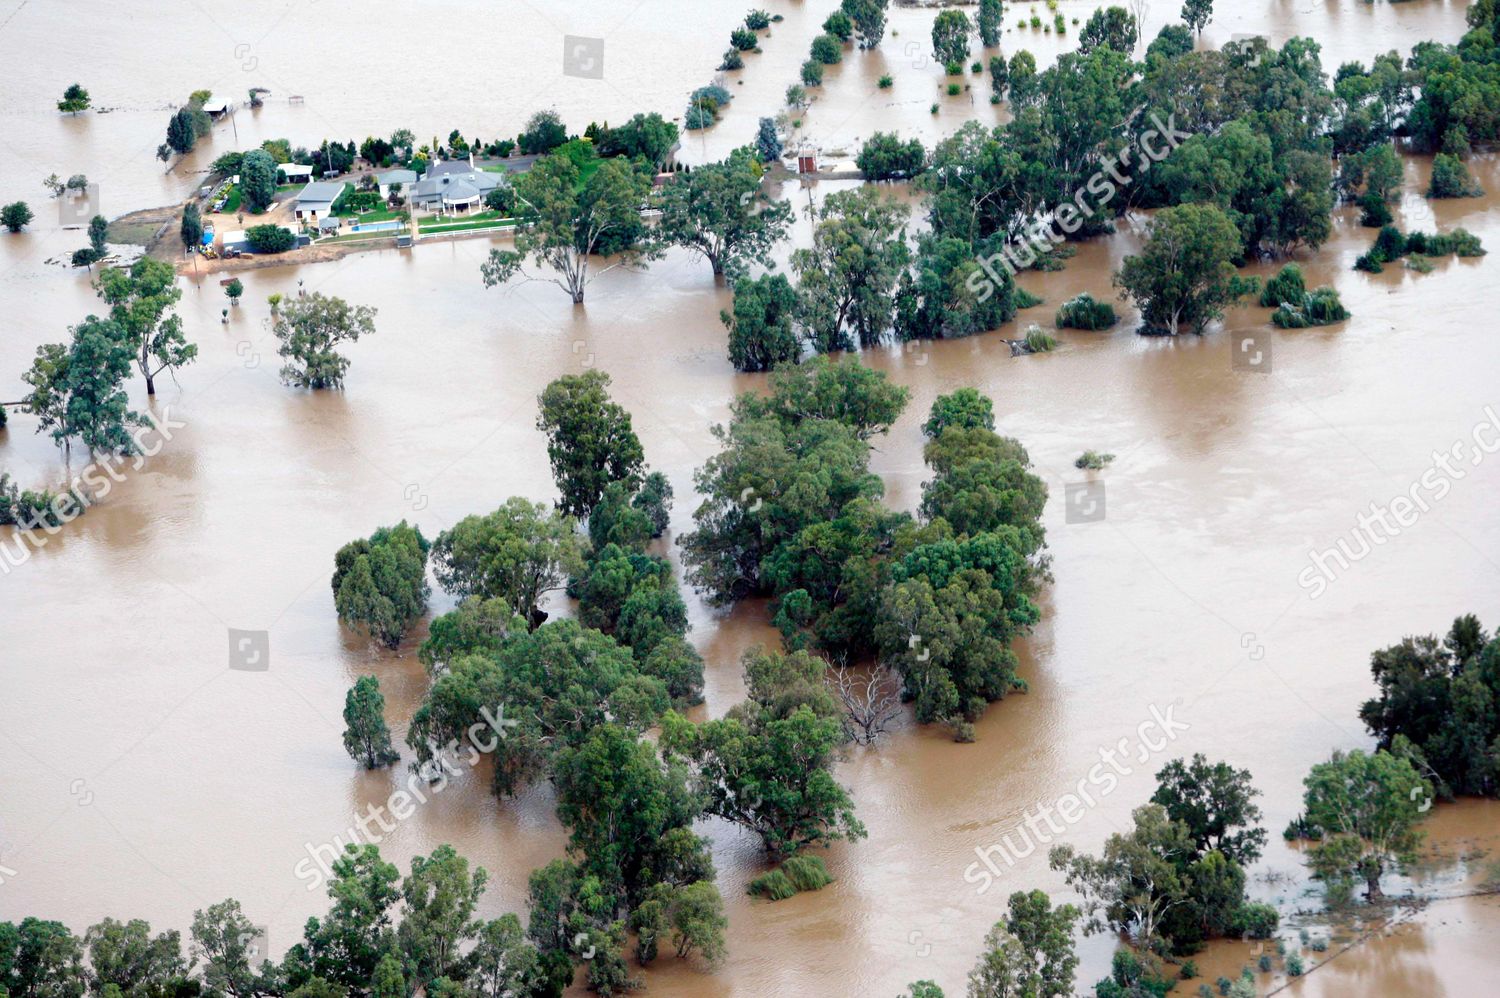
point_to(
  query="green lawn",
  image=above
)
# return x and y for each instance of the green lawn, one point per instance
(378, 215)
(492, 222)
(233, 204)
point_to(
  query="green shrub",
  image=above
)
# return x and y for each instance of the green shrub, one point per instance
(1287, 287)
(743, 39)
(954, 90)
(839, 25)
(1319, 945)
(1451, 179)
(1189, 970)
(1038, 341)
(757, 20)
(812, 73)
(1389, 244)
(885, 82)
(1374, 212)
(827, 50)
(1092, 460)
(1086, 312)
(1294, 965)
(1025, 299)
(807, 873)
(1265, 963)
(1255, 920)
(732, 60)
(1321, 307)
(773, 886)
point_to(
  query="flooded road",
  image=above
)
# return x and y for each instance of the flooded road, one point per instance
(142, 777)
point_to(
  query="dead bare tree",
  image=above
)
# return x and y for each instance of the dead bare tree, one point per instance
(871, 701)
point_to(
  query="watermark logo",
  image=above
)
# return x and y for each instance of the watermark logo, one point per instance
(249, 651)
(1048, 229)
(248, 61)
(1083, 502)
(413, 494)
(579, 346)
(914, 939)
(582, 946)
(1152, 736)
(256, 944)
(426, 780)
(77, 206)
(1386, 521)
(1250, 352)
(1426, 804)
(79, 789)
(1257, 51)
(92, 485)
(583, 57)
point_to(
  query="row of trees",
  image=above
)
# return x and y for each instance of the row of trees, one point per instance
(569, 211)
(384, 936)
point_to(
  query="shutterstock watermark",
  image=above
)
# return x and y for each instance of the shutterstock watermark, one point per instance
(100, 478)
(1404, 509)
(1098, 783)
(428, 779)
(1048, 230)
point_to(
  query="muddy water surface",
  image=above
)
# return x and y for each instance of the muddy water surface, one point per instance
(144, 778)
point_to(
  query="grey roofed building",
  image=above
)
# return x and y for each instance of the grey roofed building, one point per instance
(453, 186)
(385, 181)
(317, 198)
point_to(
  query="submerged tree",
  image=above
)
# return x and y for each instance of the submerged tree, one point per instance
(381, 583)
(366, 737)
(519, 553)
(1366, 809)
(561, 220)
(1184, 276)
(590, 442)
(719, 211)
(310, 329)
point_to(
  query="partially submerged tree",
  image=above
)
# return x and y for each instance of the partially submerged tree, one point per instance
(1366, 809)
(74, 99)
(381, 583)
(719, 211)
(366, 737)
(1184, 276)
(590, 441)
(310, 329)
(561, 221)
(519, 553)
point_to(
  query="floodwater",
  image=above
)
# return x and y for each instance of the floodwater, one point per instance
(142, 777)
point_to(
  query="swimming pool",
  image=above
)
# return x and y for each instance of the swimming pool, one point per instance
(375, 226)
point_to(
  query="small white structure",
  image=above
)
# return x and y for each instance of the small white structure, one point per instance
(294, 173)
(216, 108)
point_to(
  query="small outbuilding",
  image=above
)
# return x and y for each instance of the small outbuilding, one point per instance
(294, 173)
(316, 200)
(328, 225)
(387, 180)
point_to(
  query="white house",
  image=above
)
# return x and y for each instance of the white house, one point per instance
(316, 200)
(454, 187)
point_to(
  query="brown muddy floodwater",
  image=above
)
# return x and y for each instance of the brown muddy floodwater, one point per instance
(143, 778)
